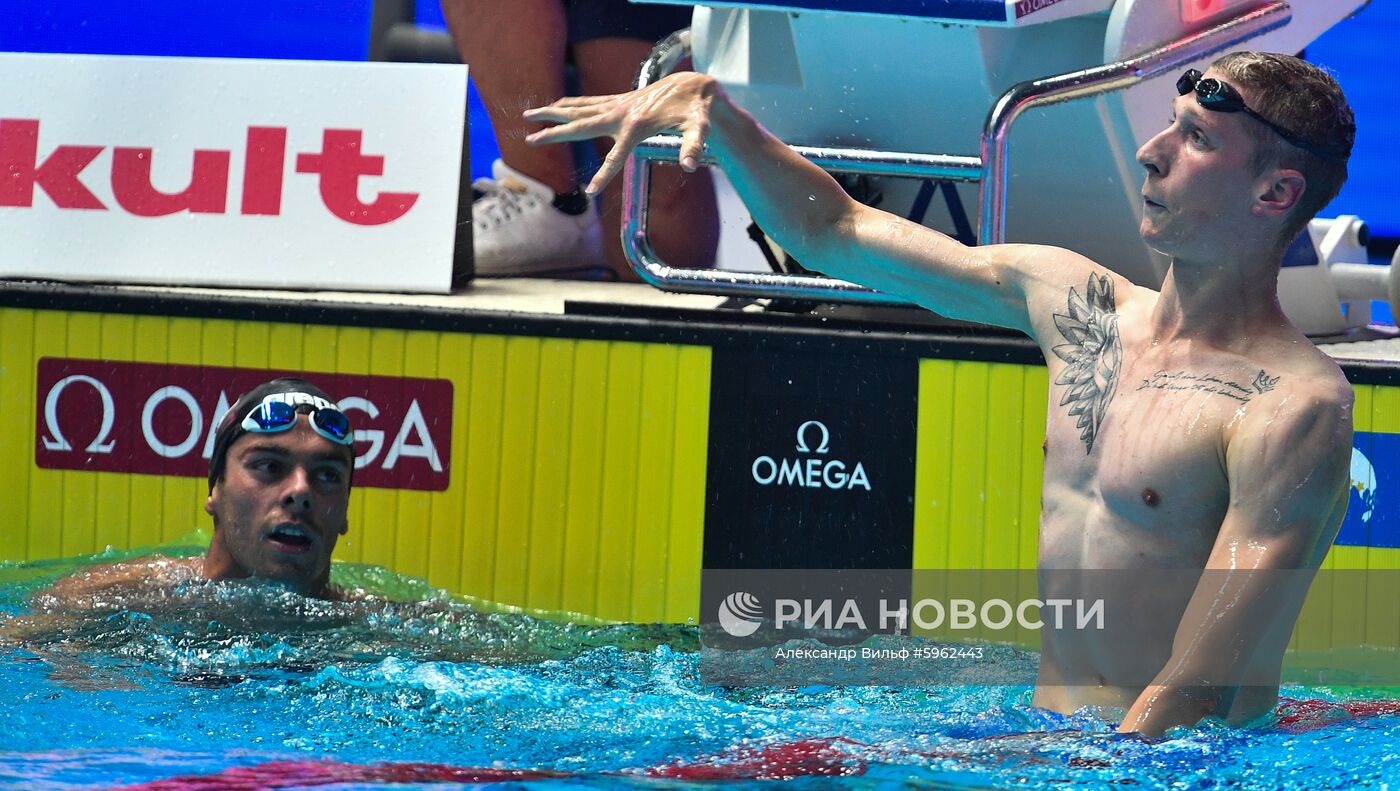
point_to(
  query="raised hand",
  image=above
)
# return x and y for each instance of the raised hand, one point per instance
(679, 102)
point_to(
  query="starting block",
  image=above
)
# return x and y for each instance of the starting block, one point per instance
(1028, 113)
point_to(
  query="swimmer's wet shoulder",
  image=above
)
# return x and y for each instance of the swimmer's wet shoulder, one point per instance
(1287, 467)
(121, 584)
(92, 582)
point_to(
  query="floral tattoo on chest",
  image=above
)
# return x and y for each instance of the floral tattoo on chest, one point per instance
(1092, 355)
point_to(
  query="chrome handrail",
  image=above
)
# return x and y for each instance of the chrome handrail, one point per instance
(990, 169)
(651, 269)
(1092, 82)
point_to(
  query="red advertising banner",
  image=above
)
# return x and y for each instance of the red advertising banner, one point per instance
(160, 419)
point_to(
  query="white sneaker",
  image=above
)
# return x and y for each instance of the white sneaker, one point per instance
(517, 231)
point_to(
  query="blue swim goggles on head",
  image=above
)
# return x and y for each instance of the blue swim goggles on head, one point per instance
(279, 413)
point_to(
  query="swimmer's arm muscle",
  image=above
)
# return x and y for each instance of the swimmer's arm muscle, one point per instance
(809, 214)
(1288, 475)
(1018, 286)
(813, 218)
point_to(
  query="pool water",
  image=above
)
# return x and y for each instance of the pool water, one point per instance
(237, 685)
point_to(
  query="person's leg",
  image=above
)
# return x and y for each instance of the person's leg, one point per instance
(684, 223)
(515, 53)
(531, 218)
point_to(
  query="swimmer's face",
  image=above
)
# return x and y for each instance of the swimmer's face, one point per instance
(1202, 192)
(279, 508)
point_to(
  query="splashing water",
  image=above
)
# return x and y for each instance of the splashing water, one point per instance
(237, 685)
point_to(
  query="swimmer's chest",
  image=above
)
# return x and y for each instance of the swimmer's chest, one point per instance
(1154, 465)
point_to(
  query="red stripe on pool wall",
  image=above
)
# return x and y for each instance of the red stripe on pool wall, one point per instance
(159, 419)
(300, 774)
(816, 757)
(1300, 716)
(820, 757)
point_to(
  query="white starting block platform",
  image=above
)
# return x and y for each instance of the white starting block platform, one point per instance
(922, 77)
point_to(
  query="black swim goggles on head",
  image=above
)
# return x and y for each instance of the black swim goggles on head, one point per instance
(1221, 97)
(279, 413)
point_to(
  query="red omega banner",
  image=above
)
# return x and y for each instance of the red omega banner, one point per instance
(159, 419)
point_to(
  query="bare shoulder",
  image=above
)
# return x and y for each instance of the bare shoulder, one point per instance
(1295, 376)
(1289, 459)
(1303, 407)
(1064, 289)
(1051, 272)
(93, 580)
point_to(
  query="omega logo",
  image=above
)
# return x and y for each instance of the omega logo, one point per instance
(56, 440)
(802, 437)
(810, 472)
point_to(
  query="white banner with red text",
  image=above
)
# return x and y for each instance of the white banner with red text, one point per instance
(227, 172)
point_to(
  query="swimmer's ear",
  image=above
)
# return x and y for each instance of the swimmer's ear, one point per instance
(1281, 193)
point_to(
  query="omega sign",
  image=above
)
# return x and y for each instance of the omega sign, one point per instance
(810, 469)
(106, 416)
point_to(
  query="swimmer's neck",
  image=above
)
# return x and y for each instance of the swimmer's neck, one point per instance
(1217, 305)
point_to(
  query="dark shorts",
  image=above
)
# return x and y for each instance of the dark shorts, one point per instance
(590, 19)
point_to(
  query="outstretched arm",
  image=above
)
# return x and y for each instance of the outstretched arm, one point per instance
(1288, 476)
(809, 214)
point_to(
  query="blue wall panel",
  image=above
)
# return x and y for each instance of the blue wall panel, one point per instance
(1360, 51)
(1373, 517)
(302, 30)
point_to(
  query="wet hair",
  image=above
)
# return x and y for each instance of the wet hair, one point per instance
(1307, 101)
(231, 427)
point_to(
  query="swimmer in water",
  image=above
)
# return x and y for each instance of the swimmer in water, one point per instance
(279, 491)
(1189, 428)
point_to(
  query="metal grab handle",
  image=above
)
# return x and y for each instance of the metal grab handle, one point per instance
(667, 148)
(990, 169)
(1092, 82)
(636, 209)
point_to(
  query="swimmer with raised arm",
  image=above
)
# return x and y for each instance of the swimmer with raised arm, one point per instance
(1188, 428)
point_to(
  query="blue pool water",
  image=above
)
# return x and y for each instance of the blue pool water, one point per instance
(252, 687)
